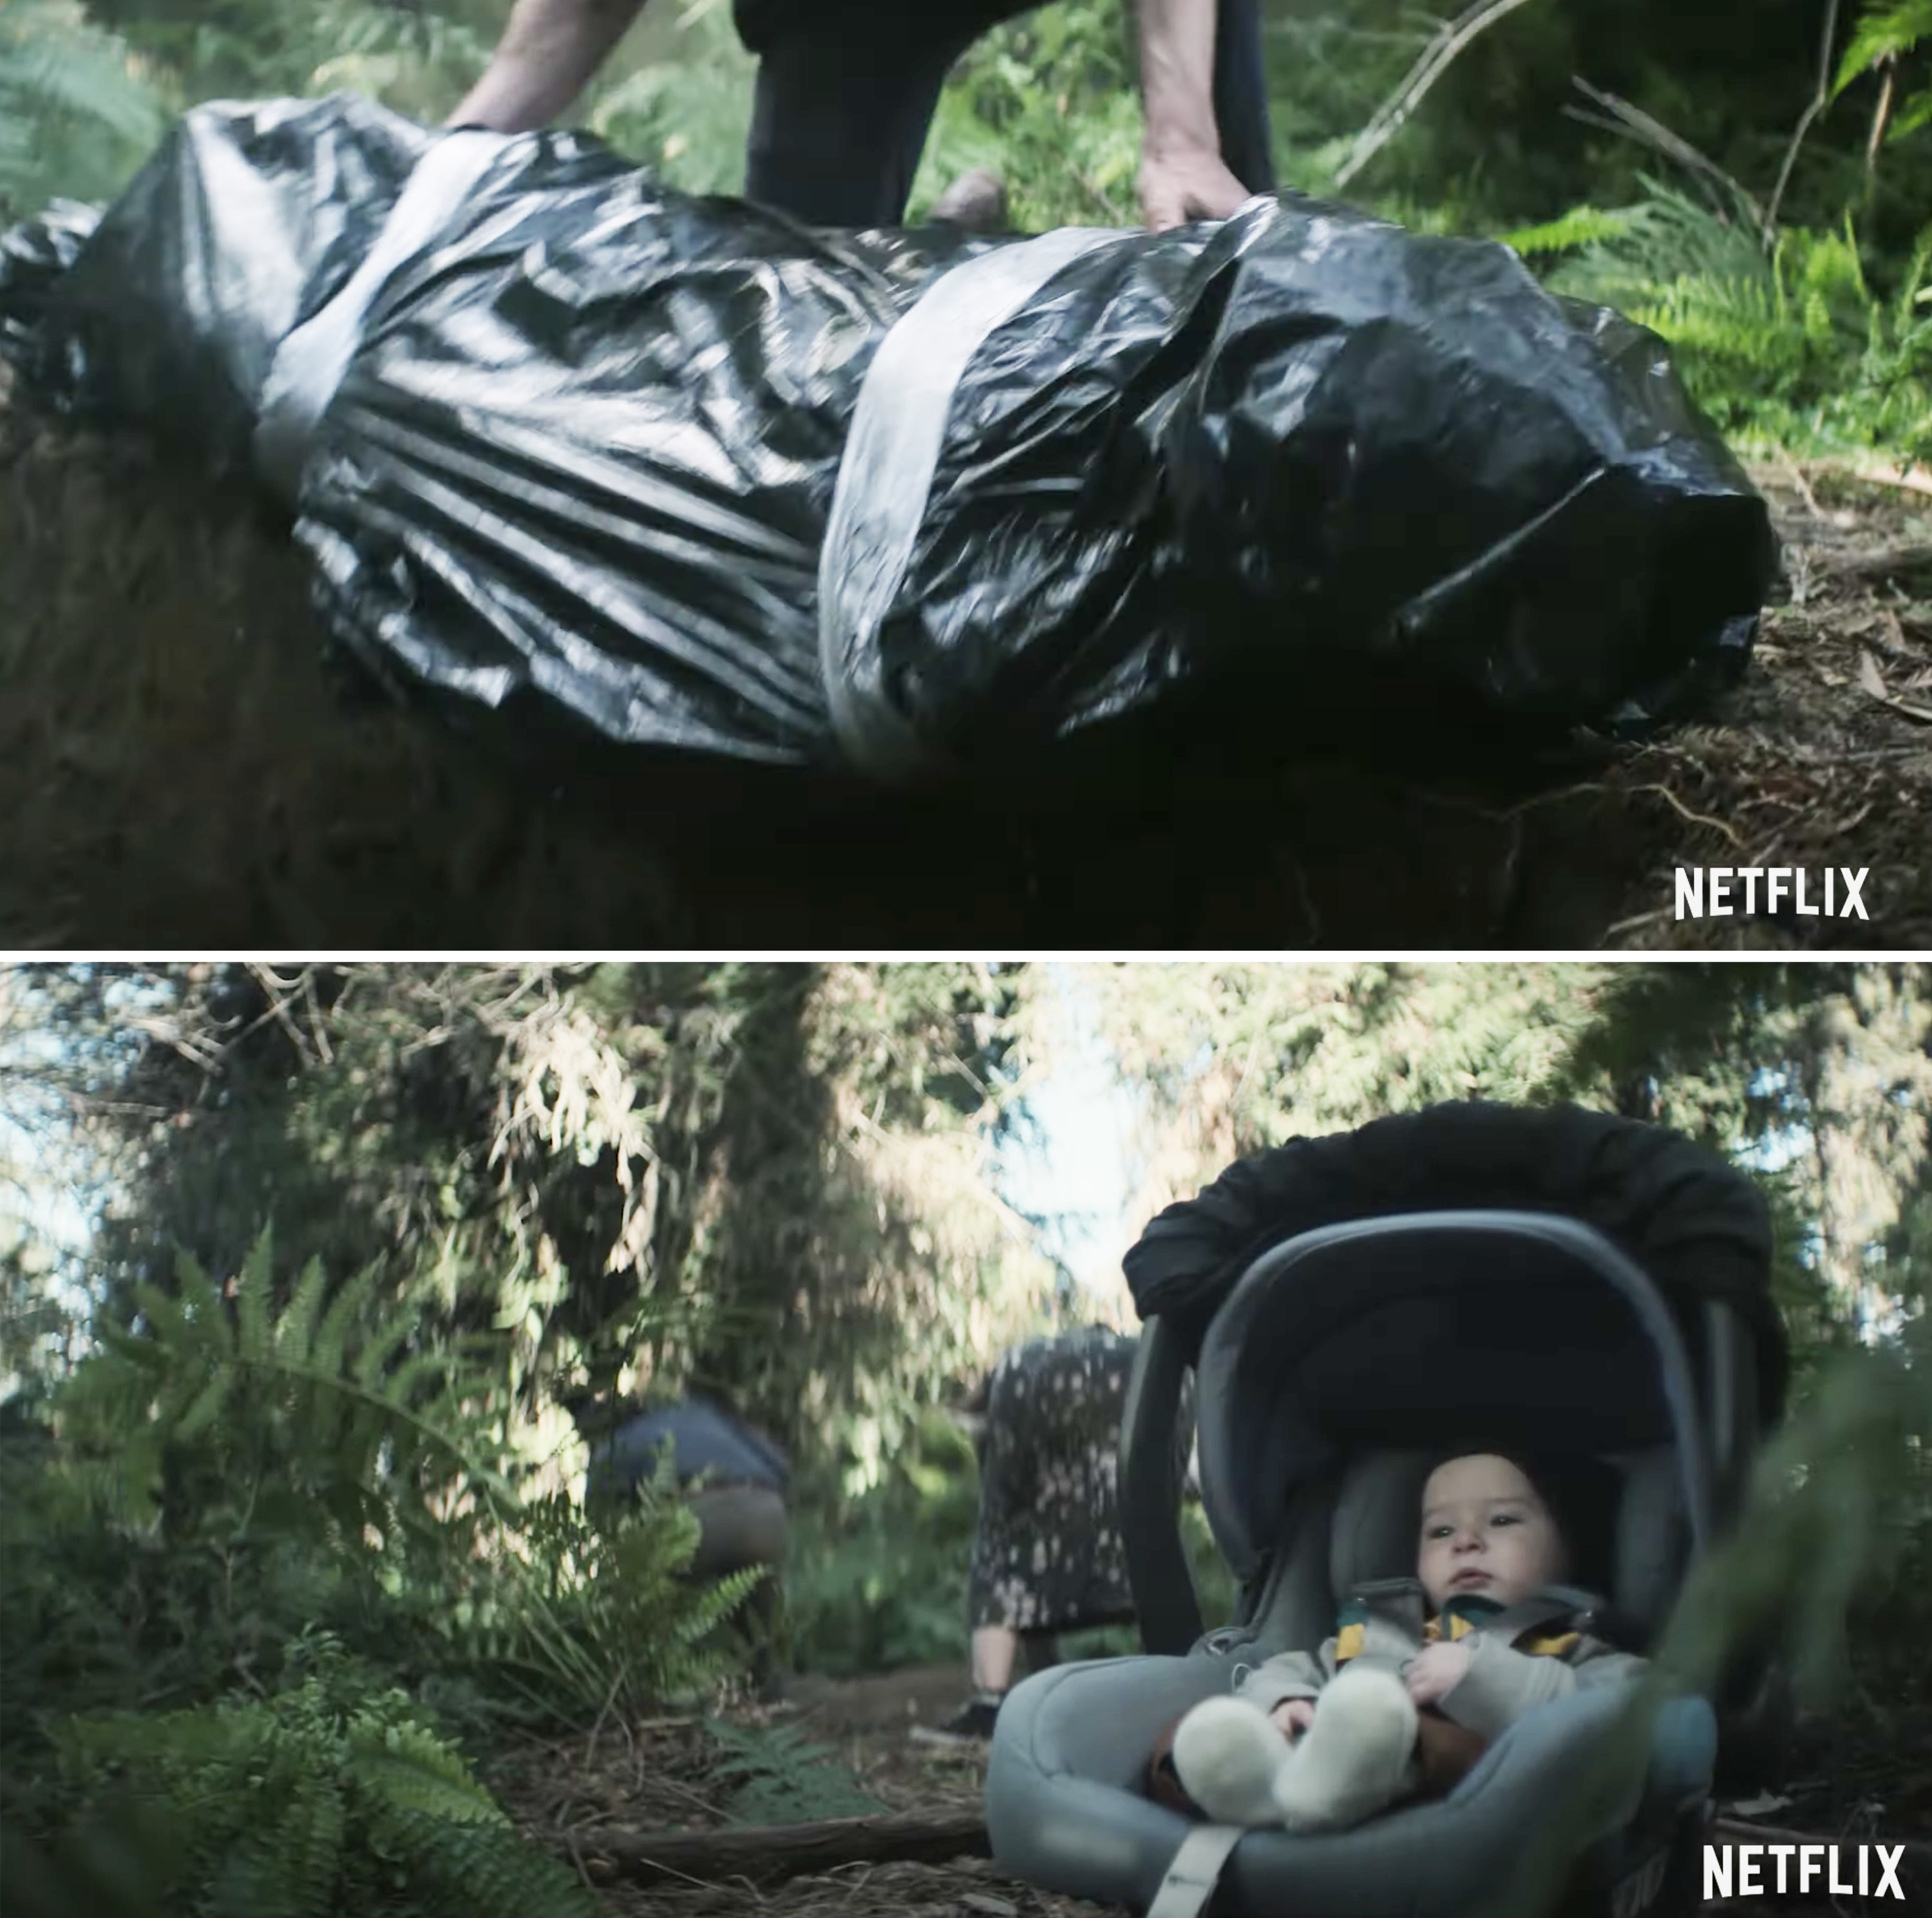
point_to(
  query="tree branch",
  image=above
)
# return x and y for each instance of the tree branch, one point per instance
(1390, 117)
(1820, 101)
(1633, 123)
(1889, 66)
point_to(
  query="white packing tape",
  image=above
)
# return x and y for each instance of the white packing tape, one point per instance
(309, 364)
(885, 477)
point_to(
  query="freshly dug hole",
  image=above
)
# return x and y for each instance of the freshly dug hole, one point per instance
(179, 768)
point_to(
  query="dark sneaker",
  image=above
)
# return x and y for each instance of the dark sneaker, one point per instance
(971, 1724)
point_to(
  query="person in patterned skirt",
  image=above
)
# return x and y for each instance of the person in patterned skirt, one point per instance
(1047, 1555)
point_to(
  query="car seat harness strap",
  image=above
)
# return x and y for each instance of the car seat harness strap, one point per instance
(1194, 1871)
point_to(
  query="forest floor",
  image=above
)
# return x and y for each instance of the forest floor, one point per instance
(1824, 756)
(1868, 1780)
(180, 768)
(662, 1778)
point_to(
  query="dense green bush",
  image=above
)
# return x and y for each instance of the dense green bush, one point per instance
(329, 1794)
(879, 1581)
(222, 1480)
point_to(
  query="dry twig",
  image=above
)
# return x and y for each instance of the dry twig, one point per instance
(1819, 101)
(1388, 119)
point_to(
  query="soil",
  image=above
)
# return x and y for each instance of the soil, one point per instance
(181, 767)
(657, 1777)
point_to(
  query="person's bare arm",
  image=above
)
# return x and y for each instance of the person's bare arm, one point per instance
(1183, 175)
(549, 51)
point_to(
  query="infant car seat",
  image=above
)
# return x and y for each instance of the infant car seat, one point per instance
(1555, 1280)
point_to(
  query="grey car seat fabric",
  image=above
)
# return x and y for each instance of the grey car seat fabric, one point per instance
(1366, 1530)
(1064, 1807)
(1403, 1304)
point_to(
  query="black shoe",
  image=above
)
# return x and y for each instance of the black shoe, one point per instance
(973, 1723)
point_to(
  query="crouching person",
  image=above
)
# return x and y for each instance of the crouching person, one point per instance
(733, 1479)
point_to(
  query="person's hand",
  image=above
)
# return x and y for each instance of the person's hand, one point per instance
(1180, 184)
(1293, 1716)
(1436, 1670)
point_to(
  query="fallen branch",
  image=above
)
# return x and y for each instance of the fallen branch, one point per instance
(1389, 119)
(761, 1853)
(1887, 562)
(1912, 479)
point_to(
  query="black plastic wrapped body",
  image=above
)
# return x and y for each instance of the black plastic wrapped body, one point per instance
(694, 478)
(1317, 449)
(248, 218)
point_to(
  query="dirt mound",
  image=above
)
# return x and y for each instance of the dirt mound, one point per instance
(179, 768)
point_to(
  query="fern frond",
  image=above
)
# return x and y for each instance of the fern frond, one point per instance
(294, 1330)
(206, 1406)
(412, 1770)
(253, 1286)
(781, 1778)
(75, 113)
(1581, 226)
(1883, 30)
(331, 1343)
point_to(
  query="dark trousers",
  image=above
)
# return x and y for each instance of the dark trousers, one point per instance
(840, 113)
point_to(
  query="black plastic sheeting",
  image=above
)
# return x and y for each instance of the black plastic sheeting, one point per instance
(584, 441)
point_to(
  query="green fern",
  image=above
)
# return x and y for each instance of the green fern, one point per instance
(1581, 226)
(1789, 344)
(76, 113)
(1890, 30)
(323, 1799)
(780, 1779)
(189, 1402)
(604, 1615)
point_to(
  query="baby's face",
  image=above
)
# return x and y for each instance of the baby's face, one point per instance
(1484, 1531)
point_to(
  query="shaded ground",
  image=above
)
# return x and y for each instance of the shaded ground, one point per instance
(1826, 757)
(562, 1794)
(177, 769)
(1863, 1780)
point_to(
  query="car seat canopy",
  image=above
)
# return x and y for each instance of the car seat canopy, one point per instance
(1697, 1227)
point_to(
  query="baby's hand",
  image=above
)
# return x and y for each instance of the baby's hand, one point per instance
(1436, 1670)
(1294, 1715)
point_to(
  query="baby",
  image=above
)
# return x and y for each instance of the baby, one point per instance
(1317, 1743)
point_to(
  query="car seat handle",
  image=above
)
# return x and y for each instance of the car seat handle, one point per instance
(1150, 1494)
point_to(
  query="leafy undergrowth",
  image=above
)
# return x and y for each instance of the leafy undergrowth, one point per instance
(1786, 341)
